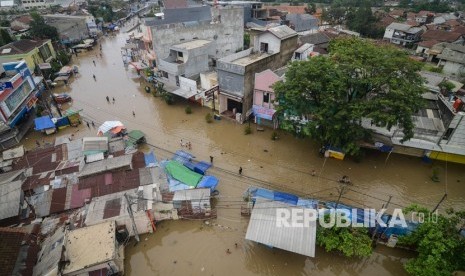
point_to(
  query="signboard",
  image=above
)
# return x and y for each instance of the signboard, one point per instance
(210, 92)
(263, 112)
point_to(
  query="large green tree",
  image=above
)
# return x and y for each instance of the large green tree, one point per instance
(358, 80)
(40, 29)
(350, 241)
(441, 248)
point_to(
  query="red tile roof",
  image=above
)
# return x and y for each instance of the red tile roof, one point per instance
(440, 35)
(25, 19)
(428, 43)
(289, 9)
(58, 200)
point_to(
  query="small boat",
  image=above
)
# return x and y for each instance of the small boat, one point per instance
(62, 98)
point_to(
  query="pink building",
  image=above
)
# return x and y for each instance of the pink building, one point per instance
(263, 108)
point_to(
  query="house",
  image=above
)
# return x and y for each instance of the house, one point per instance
(72, 29)
(21, 23)
(320, 41)
(193, 201)
(263, 99)
(424, 17)
(35, 4)
(304, 52)
(11, 198)
(32, 51)
(439, 128)
(91, 250)
(7, 4)
(452, 58)
(433, 37)
(303, 23)
(224, 27)
(272, 49)
(18, 97)
(18, 249)
(402, 34)
(264, 228)
(188, 60)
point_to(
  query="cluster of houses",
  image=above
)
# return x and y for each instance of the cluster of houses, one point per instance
(69, 208)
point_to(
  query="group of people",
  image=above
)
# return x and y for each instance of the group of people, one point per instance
(185, 144)
(108, 99)
(88, 125)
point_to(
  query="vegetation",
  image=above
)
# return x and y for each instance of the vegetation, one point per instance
(418, 5)
(246, 40)
(274, 136)
(446, 85)
(247, 129)
(358, 18)
(350, 241)
(359, 80)
(438, 242)
(5, 37)
(209, 118)
(40, 30)
(102, 10)
(188, 109)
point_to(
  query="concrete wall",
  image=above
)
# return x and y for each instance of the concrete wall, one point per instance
(274, 43)
(453, 68)
(227, 36)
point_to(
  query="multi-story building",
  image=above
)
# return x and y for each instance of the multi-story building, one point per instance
(19, 93)
(32, 51)
(272, 49)
(72, 29)
(402, 34)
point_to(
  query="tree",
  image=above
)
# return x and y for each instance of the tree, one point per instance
(350, 241)
(441, 248)
(359, 80)
(362, 20)
(40, 30)
(5, 37)
(246, 40)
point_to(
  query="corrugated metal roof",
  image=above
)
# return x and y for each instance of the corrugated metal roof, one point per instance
(106, 165)
(282, 32)
(50, 254)
(10, 199)
(13, 153)
(10, 176)
(94, 144)
(263, 229)
(191, 194)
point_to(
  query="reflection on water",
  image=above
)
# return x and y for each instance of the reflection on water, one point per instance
(190, 247)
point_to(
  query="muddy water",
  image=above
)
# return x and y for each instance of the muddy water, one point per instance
(191, 248)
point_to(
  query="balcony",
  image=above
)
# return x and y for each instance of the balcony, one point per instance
(172, 66)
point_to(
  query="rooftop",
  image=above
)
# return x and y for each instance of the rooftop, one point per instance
(19, 47)
(108, 164)
(264, 80)
(404, 28)
(10, 199)
(441, 35)
(192, 194)
(264, 229)
(89, 246)
(191, 44)
(282, 32)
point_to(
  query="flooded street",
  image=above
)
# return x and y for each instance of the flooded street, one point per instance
(194, 248)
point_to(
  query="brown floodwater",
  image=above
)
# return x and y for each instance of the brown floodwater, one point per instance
(193, 248)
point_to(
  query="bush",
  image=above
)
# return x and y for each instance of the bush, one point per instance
(188, 110)
(247, 130)
(169, 98)
(209, 118)
(435, 69)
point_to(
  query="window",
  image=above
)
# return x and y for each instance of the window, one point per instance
(264, 47)
(180, 54)
(266, 97)
(297, 56)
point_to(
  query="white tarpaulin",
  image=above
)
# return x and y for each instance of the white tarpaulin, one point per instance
(113, 126)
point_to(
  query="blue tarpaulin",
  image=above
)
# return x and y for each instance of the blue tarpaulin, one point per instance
(44, 122)
(190, 165)
(263, 193)
(150, 159)
(202, 167)
(62, 122)
(182, 156)
(175, 185)
(286, 198)
(208, 181)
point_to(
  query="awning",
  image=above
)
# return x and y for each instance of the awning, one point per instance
(263, 112)
(44, 122)
(184, 93)
(113, 126)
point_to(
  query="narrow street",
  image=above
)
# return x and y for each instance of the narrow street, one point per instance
(193, 247)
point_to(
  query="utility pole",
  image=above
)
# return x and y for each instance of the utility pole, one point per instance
(340, 194)
(131, 215)
(439, 203)
(377, 226)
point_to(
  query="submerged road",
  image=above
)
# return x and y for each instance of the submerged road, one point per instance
(193, 248)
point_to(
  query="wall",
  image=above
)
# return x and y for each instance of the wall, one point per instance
(226, 37)
(274, 43)
(453, 68)
(388, 33)
(258, 98)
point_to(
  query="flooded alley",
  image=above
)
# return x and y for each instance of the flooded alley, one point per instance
(197, 248)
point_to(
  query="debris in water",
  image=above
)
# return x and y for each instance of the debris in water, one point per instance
(265, 150)
(207, 222)
(175, 262)
(202, 269)
(146, 239)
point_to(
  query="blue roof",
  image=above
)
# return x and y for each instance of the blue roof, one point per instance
(208, 181)
(44, 122)
(150, 159)
(202, 167)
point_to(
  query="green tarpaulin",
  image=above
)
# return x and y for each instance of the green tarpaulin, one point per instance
(179, 172)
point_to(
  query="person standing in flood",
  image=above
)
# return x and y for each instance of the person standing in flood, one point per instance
(94, 62)
(240, 170)
(95, 79)
(108, 99)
